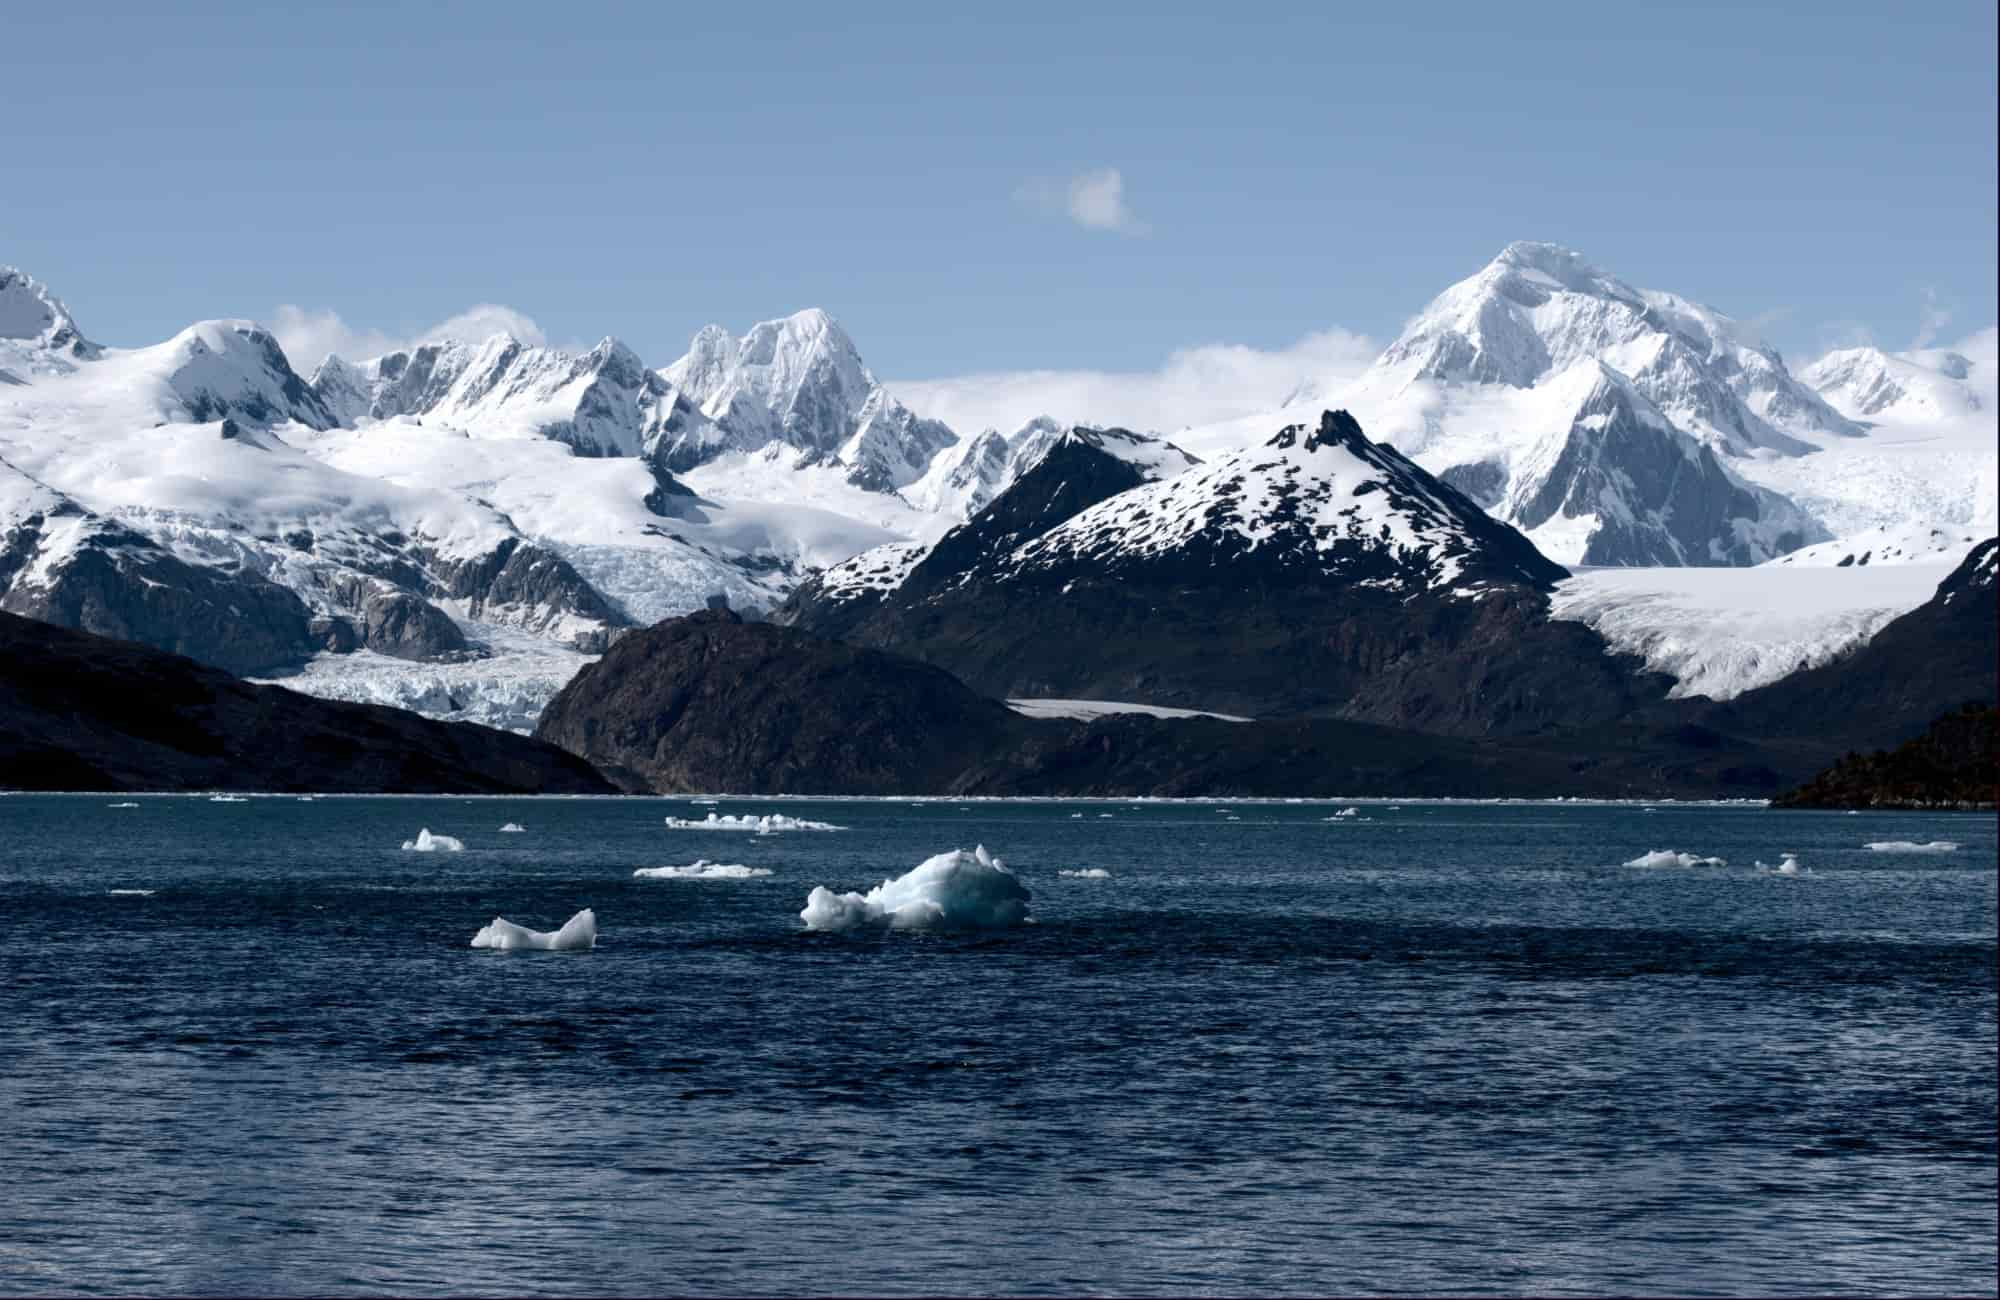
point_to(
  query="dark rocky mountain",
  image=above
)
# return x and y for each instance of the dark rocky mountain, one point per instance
(83, 712)
(1954, 764)
(1321, 574)
(710, 703)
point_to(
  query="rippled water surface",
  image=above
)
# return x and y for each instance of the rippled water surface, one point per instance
(1427, 1048)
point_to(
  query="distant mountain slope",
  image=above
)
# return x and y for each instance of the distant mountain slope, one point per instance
(80, 712)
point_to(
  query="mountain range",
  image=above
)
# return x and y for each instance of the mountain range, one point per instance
(462, 524)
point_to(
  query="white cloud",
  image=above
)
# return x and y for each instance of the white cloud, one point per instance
(1094, 200)
(1931, 321)
(308, 336)
(1194, 386)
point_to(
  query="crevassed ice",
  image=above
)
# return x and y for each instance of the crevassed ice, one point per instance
(955, 891)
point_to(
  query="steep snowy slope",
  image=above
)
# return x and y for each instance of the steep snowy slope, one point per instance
(1870, 384)
(37, 333)
(799, 383)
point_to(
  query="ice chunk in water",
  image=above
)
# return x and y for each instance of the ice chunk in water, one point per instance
(1669, 858)
(766, 825)
(1911, 846)
(956, 890)
(703, 869)
(1087, 873)
(429, 843)
(121, 805)
(578, 934)
(513, 828)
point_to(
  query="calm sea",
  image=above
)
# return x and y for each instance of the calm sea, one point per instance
(1427, 1048)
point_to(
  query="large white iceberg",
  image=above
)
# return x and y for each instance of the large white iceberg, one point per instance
(952, 891)
(1911, 846)
(429, 843)
(703, 869)
(1669, 858)
(577, 934)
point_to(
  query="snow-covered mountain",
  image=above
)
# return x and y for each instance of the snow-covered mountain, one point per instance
(799, 383)
(1312, 505)
(1927, 384)
(604, 402)
(36, 330)
(961, 481)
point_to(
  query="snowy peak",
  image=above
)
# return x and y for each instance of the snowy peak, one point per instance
(603, 402)
(1315, 504)
(1871, 384)
(234, 370)
(31, 315)
(799, 382)
(1538, 309)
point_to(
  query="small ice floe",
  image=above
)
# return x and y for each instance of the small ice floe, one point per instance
(1087, 873)
(578, 934)
(513, 828)
(704, 803)
(1669, 858)
(703, 869)
(1107, 814)
(1344, 812)
(227, 798)
(1075, 816)
(1911, 846)
(769, 824)
(1788, 866)
(121, 805)
(131, 893)
(429, 843)
(952, 891)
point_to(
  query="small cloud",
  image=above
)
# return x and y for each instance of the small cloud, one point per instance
(1931, 321)
(309, 336)
(1094, 200)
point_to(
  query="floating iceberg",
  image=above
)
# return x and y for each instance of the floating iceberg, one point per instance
(769, 824)
(578, 934)
(1911, 846)
(1669, 858)
(513, 828)
(131, 893)
(1087, 873)
(703, 870)
(227, 798)
(956, 891)
(121, 805)
(429, 843)
(1788, 867)
(1345, 812)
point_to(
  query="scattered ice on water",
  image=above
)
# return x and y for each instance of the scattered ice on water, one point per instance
(131, 893)
(1788, 867)
(1086, 873)
(769, 824)
(956, 890)
(1669, 858)
(577, 934)
(703, 869)
(227, 798)
(429, 843)
(1911, 846)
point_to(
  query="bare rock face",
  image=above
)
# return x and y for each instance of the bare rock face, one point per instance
(409, 627)
(83, 712)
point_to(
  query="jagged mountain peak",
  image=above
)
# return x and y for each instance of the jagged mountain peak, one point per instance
(31, 314)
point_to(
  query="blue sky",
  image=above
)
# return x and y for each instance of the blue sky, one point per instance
(1828, 170)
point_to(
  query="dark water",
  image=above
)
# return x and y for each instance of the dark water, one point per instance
(1450, 1048)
